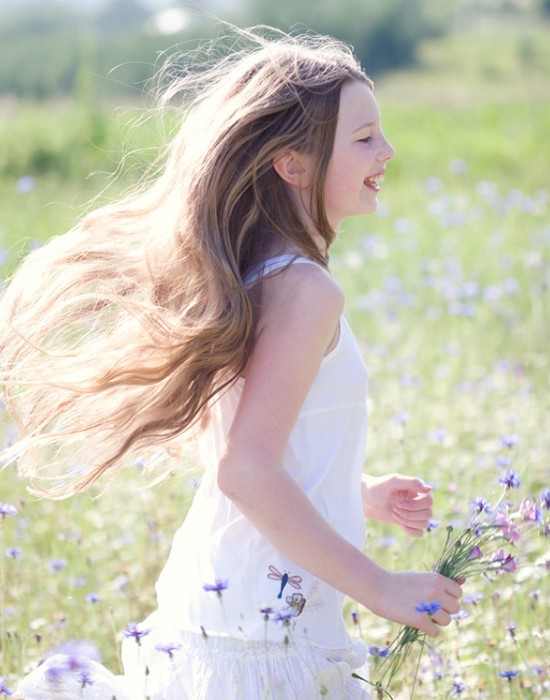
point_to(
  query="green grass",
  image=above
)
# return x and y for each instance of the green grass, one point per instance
(448, 293)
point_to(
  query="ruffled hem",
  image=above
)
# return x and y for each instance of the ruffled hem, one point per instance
(195, 667)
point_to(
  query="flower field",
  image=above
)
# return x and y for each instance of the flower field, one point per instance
(448, 292)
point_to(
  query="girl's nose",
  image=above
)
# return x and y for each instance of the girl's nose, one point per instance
(387, 151)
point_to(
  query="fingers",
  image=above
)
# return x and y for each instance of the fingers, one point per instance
(448, 593)
(414, 522)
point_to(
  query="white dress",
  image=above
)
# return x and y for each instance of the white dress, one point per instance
(269, 629)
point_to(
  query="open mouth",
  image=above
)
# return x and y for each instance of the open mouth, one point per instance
(374, 182)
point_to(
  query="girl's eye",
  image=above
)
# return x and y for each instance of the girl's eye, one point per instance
(368, 139)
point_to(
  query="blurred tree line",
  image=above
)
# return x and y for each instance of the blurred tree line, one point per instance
(52, 48)
(58, 48)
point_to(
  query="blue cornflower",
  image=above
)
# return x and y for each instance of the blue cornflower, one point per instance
(7, 509)
(510, 479)
(136, 632)
(4, 690)
(402, 418)
(460, 615)
(509, 674)
(433, 524)
(217, 587)
(13, 552)
(430, 608)
(458, 686)
(168, 648)
(545, 499)
(58, 564)
(379, 652)
(63, 665)
(84, 678)
(480, 504)
(473, 598)
(509, 440)
(266, 611)
(93, 598)
(285, 616)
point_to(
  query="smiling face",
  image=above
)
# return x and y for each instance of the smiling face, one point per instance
(359, 158)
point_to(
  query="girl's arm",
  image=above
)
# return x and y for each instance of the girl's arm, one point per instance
(301, 311)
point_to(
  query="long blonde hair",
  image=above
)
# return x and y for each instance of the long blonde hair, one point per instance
(117, 335)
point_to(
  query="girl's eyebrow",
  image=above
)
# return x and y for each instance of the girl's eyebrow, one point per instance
(364, 126)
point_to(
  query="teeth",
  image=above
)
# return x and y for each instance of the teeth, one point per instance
(376, 180)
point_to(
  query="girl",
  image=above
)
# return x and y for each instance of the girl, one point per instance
(203, 307)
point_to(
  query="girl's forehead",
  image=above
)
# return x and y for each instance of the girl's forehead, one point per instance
(358, 107)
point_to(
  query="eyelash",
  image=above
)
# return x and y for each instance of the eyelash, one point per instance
(368, 139)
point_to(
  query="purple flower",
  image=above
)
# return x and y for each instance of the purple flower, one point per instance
(136, 632)
(217, 587)
(168, 648)
(510, 531)
(429, 608)
(509, 674)
(474, 598)
(480, 504)
(13, 552)
(510, 479)
(530, 512)
(93, 598)
(545, 499)
(84, 678)
(402, 418)
(460, 615)
(476, 553)
(4, 690)
(63, 665)
(433, 524)
(57, 564)
(378, 652)
(509, 440)
(7, 509)
(506, 562)
(266, 611)
(458, 686)
(285, 616)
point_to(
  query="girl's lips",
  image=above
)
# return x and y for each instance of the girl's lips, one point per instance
(374, 181)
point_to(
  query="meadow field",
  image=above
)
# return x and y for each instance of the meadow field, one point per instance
(448, 292)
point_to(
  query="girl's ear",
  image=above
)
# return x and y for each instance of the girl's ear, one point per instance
(294, 168)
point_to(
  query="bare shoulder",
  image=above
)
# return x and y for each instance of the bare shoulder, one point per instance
(301, 290)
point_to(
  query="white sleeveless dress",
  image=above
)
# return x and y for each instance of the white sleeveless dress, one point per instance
(268, 629)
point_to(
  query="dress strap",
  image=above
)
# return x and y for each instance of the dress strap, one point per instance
(272, 264)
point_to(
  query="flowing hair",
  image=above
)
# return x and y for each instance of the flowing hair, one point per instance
(117, 335)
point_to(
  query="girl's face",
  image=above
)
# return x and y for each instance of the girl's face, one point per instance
(361, 152)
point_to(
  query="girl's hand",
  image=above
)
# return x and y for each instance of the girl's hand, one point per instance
(401, 592)
(400, 500)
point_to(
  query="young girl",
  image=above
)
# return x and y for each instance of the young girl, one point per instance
(203, 308)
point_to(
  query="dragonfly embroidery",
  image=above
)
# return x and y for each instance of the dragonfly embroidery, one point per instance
(275, 575)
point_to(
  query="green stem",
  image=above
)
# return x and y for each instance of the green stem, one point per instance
(422, 642)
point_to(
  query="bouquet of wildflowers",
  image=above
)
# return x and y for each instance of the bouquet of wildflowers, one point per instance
(479, 548)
